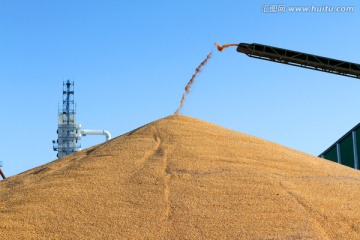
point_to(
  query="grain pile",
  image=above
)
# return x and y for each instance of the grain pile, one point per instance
(182, 178)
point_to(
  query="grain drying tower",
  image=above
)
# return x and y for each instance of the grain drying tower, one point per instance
(69, 132)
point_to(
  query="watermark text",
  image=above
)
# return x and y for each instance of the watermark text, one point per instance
(282, 8)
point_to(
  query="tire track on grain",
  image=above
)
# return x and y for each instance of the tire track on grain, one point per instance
(154, 166)
(162, 154)
(149, 154)
(167, 174)
(304, 229)
(167, 177)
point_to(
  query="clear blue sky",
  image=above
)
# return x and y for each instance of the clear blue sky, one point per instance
(131, 60)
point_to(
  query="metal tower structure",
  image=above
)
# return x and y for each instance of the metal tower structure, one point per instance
(68, 131)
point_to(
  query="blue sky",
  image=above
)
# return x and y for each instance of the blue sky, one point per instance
(131, 60)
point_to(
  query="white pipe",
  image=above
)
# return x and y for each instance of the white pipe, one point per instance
(96, 132)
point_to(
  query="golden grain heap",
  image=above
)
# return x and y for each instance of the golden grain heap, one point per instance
(183, 178)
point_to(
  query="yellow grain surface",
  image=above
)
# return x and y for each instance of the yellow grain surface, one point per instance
(182, 178)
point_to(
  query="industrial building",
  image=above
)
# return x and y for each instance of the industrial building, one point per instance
(69, 132)
(345, 150)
